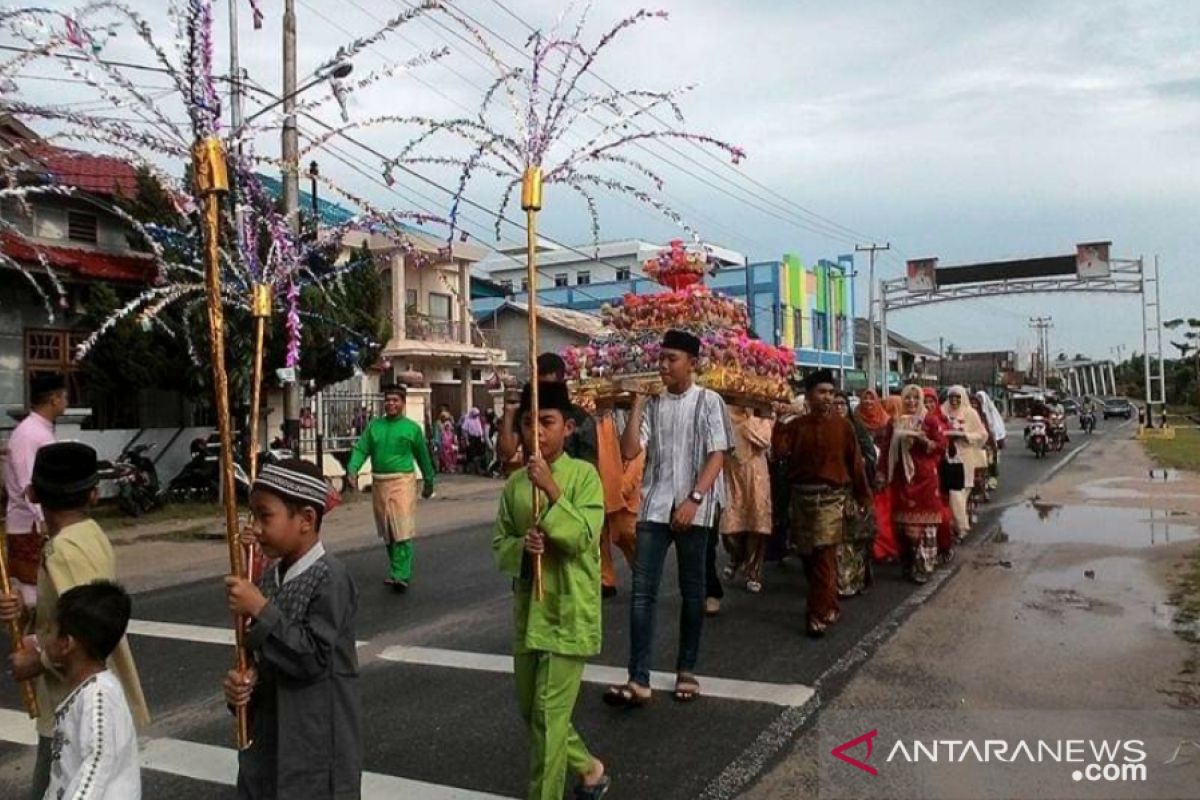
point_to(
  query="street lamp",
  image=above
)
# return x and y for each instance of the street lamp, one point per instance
(340, 70)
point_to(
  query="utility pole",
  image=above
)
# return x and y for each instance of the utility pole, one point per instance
(872, 249)
(1042, 325)
(291, 196)
(941, 360)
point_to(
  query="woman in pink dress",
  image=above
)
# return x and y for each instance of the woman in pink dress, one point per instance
(918, 445)
(448, 455)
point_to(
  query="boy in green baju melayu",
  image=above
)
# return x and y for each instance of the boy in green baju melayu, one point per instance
(554, 635)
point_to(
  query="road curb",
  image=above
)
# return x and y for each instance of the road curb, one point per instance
(754, 761)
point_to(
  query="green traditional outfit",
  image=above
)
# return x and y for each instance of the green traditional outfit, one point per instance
(554, 636)
(395, 447)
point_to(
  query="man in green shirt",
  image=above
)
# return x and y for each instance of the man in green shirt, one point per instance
(395, 444)
(556, 634)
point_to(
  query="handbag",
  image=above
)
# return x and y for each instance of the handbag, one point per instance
(953, 476)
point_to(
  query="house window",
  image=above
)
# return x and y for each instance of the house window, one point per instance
(476, 374)
(818, 330)
(623, 273)
(524, 286)
(410, 298)
(53, 351)
(439, 305)
(583, 278)
(797, 328)
(82, 227)
(561, 279)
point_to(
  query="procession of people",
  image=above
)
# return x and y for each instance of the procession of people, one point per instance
(842, 485)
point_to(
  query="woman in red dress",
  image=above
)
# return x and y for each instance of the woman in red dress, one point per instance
(879, 424)
(918, 445)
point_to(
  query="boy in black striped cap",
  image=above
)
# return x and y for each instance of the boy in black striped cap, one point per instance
(302, 690)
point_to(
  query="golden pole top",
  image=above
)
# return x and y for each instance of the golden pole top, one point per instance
(531, 189)
(260, 301)
(212, 175)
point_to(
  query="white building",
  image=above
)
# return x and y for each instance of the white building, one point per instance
(584, 265)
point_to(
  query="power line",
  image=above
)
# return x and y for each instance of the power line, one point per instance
(822, 225)
(432, 23)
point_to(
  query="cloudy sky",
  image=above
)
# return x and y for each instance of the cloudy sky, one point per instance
(964, 129)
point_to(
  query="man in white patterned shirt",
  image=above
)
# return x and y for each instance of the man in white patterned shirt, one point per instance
(685, 432)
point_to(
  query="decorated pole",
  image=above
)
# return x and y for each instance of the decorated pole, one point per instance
(212, 181)
(531, 203)
(260, 309)
(28, 692)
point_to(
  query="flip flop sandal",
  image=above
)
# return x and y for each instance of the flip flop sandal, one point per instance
(625, 696)
(595, 792)
(753, 587)
(686, 695)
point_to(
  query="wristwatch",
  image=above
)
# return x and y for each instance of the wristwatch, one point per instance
(696, 497)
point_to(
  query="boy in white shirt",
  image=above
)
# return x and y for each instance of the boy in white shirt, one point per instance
(95, 753)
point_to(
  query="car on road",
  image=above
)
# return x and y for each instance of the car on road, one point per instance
(1118, 407)
(1070, 406)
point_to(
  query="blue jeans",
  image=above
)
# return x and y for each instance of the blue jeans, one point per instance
(653, 541)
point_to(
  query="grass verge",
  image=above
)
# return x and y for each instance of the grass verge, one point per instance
(1182, 452)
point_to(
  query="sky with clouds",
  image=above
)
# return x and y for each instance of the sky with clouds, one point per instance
(964, 129)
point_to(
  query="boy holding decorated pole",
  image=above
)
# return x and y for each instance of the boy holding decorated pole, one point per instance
(556, 634)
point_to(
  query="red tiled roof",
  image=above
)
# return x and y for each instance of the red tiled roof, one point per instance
(83, 263)
(98, 174)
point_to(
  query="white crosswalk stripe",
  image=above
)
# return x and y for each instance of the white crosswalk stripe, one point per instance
(780, 694)
(205, 762)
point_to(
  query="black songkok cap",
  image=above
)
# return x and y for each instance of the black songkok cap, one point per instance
(682, 340)
(813, 379)
(551, 395)
(551, 364)
(64, 468)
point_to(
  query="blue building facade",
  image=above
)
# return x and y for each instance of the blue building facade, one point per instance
(807, 308)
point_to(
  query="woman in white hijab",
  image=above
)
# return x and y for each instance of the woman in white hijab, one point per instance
(969, 436)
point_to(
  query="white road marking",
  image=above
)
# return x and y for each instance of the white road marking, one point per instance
(205, 762)
(779, 694)
(204, 634)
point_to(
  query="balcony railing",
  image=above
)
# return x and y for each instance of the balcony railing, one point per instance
(429, 329)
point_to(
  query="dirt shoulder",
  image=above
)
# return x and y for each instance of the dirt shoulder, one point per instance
(1067, 607)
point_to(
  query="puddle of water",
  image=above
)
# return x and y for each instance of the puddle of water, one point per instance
(1121, 488)
(1120, 589)
(1044, 523)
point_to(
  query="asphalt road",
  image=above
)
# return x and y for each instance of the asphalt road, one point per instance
(433, 730)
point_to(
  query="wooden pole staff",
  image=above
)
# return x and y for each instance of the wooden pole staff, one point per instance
(28, 690)
(260, 309)
(212, 181)
(531, 204)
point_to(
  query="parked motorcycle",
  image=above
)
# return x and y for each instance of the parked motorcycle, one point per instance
(1087, 421)
(200, 479)
(1037, 437)
(138, 489)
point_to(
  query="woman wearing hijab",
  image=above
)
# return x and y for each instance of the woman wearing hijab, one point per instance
(968, 435)
(979, 493)
(879, 424)
(854, 553)
(999, 433)
(918, 445)
(472, 428)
